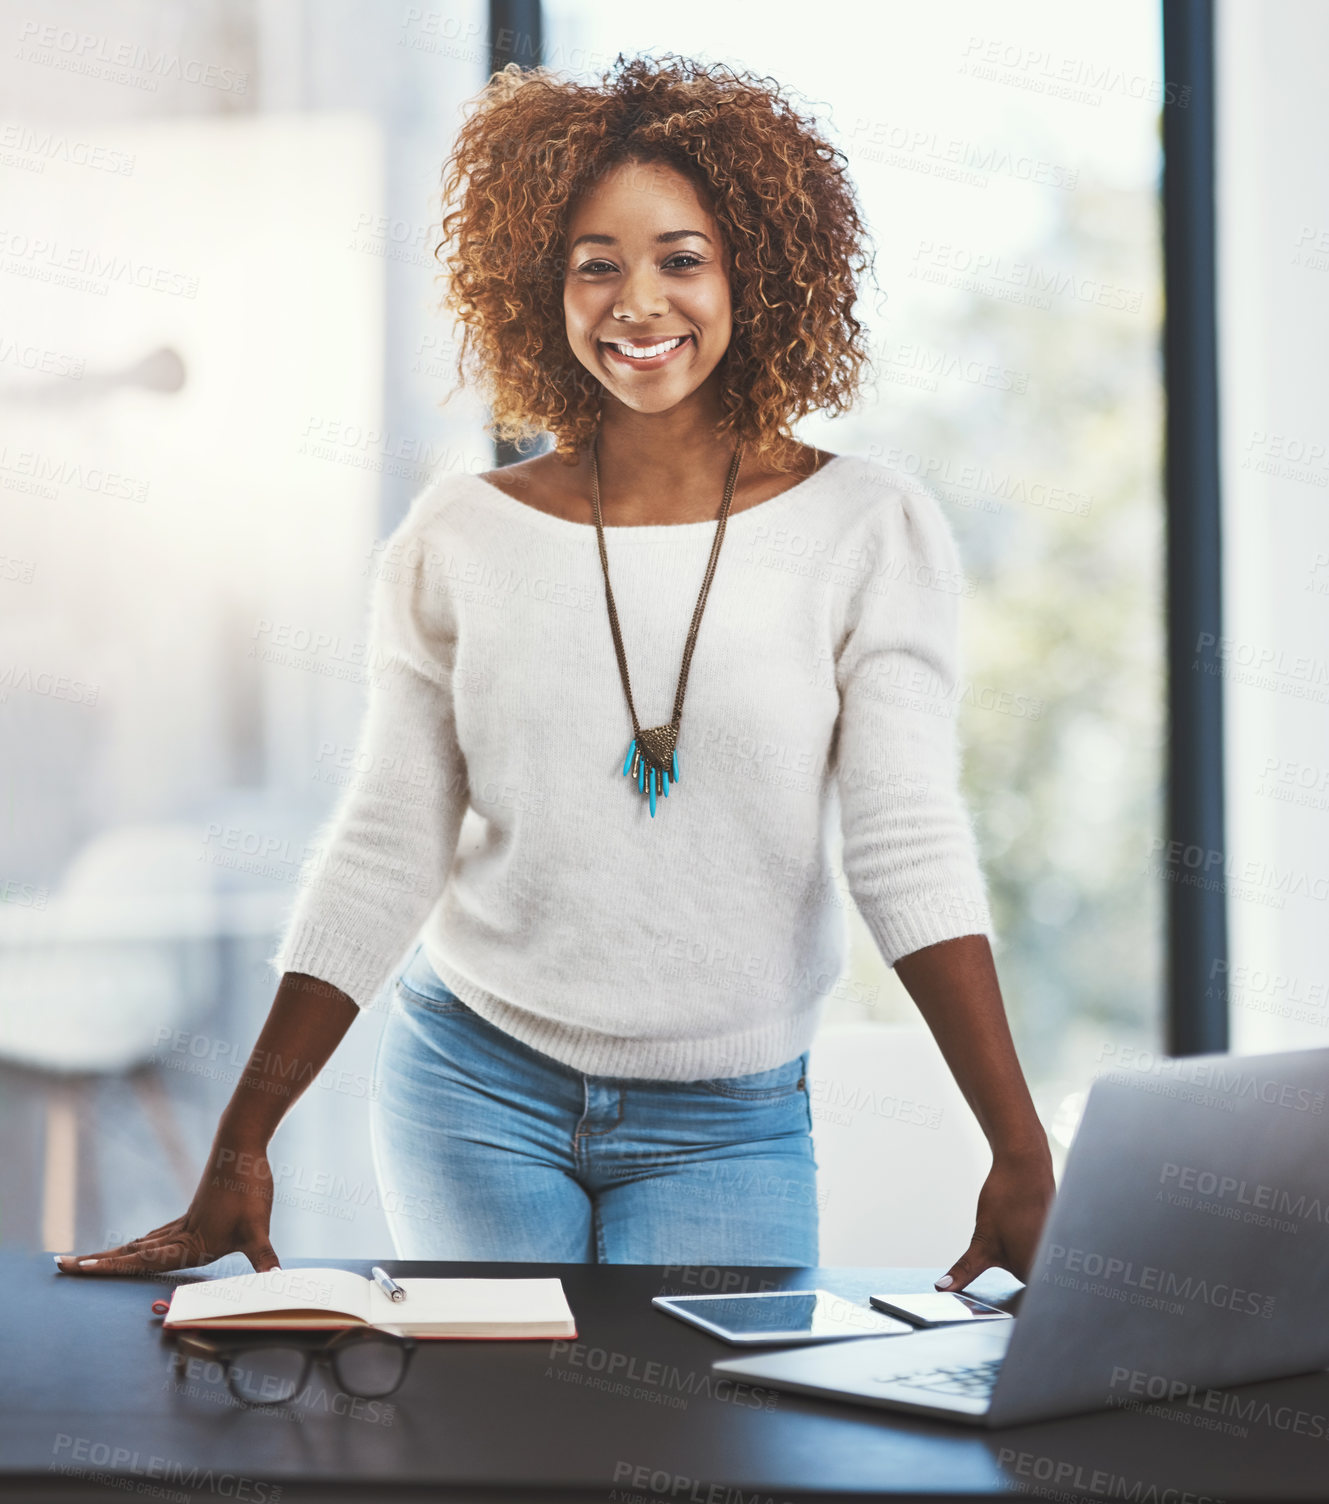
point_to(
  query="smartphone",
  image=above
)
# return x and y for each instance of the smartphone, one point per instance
(938, 1308)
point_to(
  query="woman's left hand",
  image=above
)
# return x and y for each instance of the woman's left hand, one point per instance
(1011, 1209)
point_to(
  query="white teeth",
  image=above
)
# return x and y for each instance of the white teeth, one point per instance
(636, 352)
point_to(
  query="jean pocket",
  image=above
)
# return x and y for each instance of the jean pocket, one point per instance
(441, 1000)
(785, 1080)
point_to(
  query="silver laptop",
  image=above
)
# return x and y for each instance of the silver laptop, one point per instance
(1185, 1248)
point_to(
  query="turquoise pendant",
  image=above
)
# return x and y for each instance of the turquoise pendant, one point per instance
(653, 760)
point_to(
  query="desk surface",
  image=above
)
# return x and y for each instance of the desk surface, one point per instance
(629, 1414)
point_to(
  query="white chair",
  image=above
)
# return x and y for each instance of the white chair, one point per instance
(900, 1157)
(94, 976)
(97, 977)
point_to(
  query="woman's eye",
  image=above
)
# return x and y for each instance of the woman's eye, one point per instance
(685, 257)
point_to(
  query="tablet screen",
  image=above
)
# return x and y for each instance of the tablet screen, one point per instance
(782, 1316)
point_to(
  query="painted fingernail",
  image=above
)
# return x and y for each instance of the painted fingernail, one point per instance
(944, 1282)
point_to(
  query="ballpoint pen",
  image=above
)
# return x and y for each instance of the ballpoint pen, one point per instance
(387, 1284)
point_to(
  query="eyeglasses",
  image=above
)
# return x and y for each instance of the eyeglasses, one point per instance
(366, 1365)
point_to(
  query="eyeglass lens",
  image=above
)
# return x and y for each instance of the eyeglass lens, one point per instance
(369, 1369)
(268, 1375)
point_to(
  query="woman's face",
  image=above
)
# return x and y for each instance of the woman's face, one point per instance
(646, 267)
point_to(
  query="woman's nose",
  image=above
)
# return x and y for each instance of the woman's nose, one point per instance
(640, 297)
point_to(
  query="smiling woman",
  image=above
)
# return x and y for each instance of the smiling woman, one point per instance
(599, 1048)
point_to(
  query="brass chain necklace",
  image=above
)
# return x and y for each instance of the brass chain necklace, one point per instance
(652, 753)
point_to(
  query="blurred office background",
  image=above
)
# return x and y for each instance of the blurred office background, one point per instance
(221, 378)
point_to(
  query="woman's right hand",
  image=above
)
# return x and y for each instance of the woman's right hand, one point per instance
(231, 1207)
(229, 1214)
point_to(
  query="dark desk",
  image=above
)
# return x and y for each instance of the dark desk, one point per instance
(630, 1414)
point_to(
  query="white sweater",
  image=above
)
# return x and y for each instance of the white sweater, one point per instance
(701, 942)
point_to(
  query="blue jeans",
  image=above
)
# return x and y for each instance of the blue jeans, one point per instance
(487, 1149)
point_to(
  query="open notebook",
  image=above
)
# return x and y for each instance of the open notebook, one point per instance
(296, 1299)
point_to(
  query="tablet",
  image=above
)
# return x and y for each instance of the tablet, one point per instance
(781, 1316)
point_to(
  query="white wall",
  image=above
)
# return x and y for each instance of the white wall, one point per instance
(1273, 242)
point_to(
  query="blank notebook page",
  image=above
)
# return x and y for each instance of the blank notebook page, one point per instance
(464, 1303)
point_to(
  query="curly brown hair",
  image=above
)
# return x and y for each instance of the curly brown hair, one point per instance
(779, 191)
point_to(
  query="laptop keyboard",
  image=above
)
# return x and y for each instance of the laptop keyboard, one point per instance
(972, 1380)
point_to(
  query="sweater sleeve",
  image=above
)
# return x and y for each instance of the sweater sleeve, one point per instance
(910, 855)
(379, 864)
